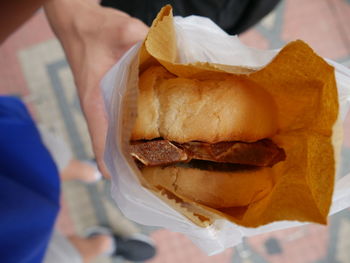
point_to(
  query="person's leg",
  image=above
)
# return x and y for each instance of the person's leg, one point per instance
(103, 242)
(68, 167)
(92, 247)
(75, 249)
(79, 170)
(137, 247)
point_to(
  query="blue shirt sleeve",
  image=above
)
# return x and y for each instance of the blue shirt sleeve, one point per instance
(29, 186)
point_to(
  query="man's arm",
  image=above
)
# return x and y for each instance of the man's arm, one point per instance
(93, 38)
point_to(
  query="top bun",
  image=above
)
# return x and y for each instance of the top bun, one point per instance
(183, 110)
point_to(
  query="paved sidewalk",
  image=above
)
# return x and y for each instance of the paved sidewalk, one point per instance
(33, 67)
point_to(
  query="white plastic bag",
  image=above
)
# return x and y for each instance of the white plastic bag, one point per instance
(139, 204)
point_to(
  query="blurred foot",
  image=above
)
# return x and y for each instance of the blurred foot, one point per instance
(84, 171)
(92, 247)
(92, 173)
(135, 248)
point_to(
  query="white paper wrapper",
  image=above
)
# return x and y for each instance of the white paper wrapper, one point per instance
(139, 204)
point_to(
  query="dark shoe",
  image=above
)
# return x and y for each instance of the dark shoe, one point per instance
(136, 248)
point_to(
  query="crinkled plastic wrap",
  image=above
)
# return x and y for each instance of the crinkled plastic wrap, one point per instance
(193, 45)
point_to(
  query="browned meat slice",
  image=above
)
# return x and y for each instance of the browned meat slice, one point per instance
(260, 153)
(163, 152)
(158, 152)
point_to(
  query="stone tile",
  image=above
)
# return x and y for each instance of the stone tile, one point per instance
(81, 209)
(315, 23)
(23, 70)
(347, 130)
(346, 62)
(341, 10)
(53, 94)
(33, 61)
(69, 89)
(254, 39)
(269, 20)
(343, 245)
(35, 31)
(64, 222)
(175, 248)
(301, 244)
(12, 80)
(117, 221)
(103, 260)
(260, 36)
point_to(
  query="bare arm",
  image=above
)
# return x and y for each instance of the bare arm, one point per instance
(93, 38)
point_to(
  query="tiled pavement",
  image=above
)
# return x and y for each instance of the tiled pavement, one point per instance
(32, 66)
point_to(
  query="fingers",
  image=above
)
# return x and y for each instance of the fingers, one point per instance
(95, 115)
(134, 30)
(102, 46)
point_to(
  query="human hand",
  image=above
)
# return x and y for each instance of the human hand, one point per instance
(93, 38)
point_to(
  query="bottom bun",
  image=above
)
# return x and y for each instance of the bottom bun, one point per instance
(212, 188)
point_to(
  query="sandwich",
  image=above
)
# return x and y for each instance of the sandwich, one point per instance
(202, 138)
(214, 141)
